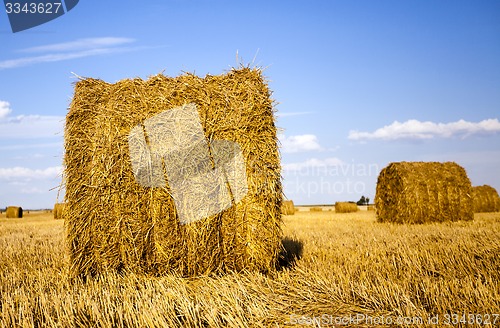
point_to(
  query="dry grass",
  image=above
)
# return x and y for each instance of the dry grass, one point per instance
(338, 264)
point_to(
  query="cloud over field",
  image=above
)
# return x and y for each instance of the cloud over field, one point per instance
(312, 163)
(79, 48)
(81, 44)
(26, 174)
(299, 143)
(290, 114)
(414, 129)
(31, 127)
(27, 127)
(4, 109)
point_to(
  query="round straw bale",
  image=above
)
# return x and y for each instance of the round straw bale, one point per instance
(287, 207)
(116, 223)
(315, 209)
(486, 199)
(14, 212)
(420, 192)
(346, 207)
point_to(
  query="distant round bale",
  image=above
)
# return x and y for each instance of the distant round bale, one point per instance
(346, 207)
(316, 209)
(486, 199)
(422, 192)
(14, 212)
(58, 211)
(287, 207)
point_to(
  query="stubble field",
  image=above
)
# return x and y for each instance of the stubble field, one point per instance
(349, 270)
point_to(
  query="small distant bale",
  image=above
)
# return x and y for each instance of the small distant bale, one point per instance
(287, 207)
(58, 211)
(486, 199)
(346, 207)
(14, 212)
(370, 208)
(422, 192)
(316, 209)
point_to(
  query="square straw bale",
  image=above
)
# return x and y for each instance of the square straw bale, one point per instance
(115, 222)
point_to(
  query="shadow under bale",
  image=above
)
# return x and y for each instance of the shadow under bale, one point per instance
(291, 251)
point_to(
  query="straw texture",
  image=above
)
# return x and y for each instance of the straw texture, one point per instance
(58, 211)
(486, 199)
(114, 222)
(345, 207)
(14, 212)
(420, 192)
(287, 207)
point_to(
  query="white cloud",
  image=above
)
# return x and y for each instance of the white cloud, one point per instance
(4, 109)
(31, 145)
(313, 163)
(25, 61)
(299, 143)
(31, 127)
(288, 114)
(25, 174)
(32, 191)
(414, 129)
(69, 50)
(80, 44)
(29, 156)
(28, 127)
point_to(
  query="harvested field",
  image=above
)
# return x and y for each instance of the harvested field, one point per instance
(340, 265)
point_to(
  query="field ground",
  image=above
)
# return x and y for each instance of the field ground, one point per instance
(348, 270)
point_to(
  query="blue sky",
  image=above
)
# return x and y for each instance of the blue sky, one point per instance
(359, 84)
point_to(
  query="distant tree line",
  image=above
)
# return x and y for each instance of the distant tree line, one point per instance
(363, 201)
